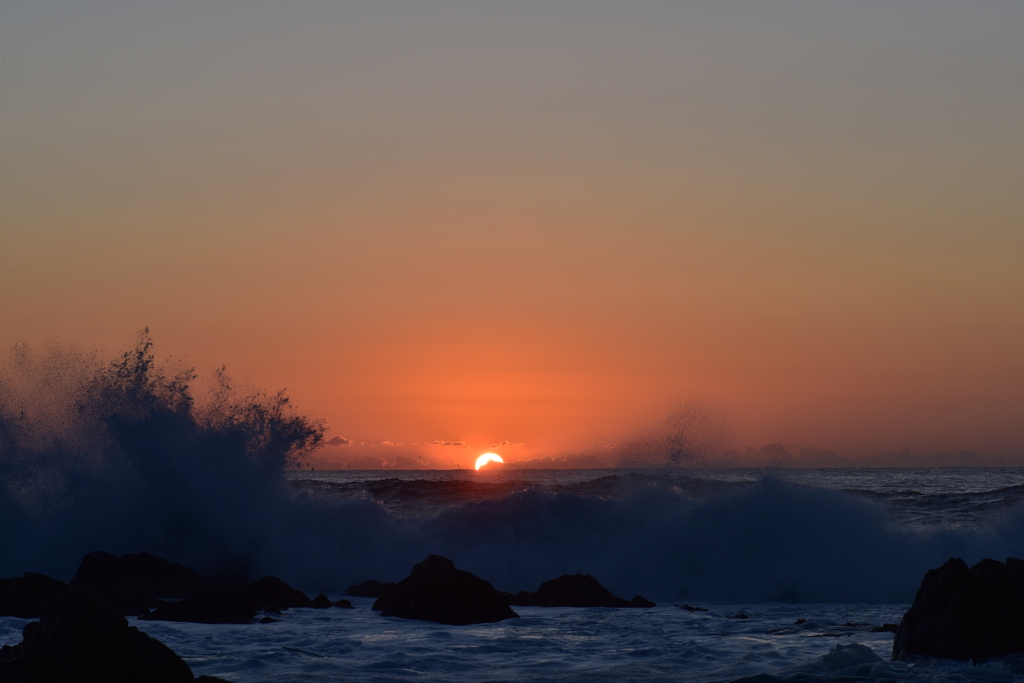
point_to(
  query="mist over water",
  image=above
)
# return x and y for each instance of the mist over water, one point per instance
(129, 456)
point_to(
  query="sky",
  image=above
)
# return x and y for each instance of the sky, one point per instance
(559, 225)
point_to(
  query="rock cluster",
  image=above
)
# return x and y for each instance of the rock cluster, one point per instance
(83, 638)
(26, 596)
(436, 591)
(965, 613)
(574, 590)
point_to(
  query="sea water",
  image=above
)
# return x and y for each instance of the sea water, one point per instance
(815, 559)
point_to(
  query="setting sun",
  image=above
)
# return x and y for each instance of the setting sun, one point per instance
(486, 458)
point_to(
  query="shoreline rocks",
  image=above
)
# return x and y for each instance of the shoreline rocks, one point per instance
(27, 596)
(436, 591)
(84, 638)
(574, 590)
(965, 613)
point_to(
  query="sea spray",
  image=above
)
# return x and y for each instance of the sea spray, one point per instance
(126, 457)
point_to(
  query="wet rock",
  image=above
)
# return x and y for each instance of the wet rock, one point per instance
(436, 591)
(369, 589)
(691, 608)
(574, 590)
(27, 596)
(136, 582)
(885, 628)
(82, 637)
(268, 620)
(965, 613)
(346, 604)
(321, 602)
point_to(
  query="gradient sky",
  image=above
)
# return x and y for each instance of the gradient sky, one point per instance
(546, 223)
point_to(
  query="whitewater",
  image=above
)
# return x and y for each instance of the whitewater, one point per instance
(128, 457)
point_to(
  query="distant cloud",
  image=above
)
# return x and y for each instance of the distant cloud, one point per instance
(438, 442)
(339, 441)
(390, 443)
(611, 446)
(506, 442)
(582, 461)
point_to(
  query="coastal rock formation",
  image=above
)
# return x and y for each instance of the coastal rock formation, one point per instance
(321, 602)
(574, 590)
(206, 607)
(272, 594)
(962, 613)
(83, 638)
(232, 605)
(26, 596)
(369, 589)
(436, 591)
(136, 582)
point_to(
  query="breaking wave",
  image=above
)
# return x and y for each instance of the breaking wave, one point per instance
(124, 456)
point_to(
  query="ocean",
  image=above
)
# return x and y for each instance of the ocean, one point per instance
(815, 559)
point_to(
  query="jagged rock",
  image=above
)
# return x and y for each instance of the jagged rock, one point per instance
(574, 590)
(82, 637)
(369, 589)
(436, 591)
(136, 582)
(27, 596)
(321, 602)
(962, 613)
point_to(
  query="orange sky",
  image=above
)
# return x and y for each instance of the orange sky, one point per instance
(535, 224)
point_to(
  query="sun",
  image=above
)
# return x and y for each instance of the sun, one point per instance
(486, 458)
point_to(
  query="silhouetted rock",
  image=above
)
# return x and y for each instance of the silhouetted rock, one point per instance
(886, 628)
(231, 604)
(962, 613)
(27, 596)
(136, 582)
(369, 589)
(691, 608)
(346, 604)
(83, 638)
(271, 593)
(436, 591)
(321, 602)
(574, 590)
(207, 607)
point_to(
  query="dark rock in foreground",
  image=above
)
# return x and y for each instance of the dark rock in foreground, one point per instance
(26, 596)
(962, 613)
(574, 590)
(369, 589)
(436, 591)
(136, 582)
(83, 638)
